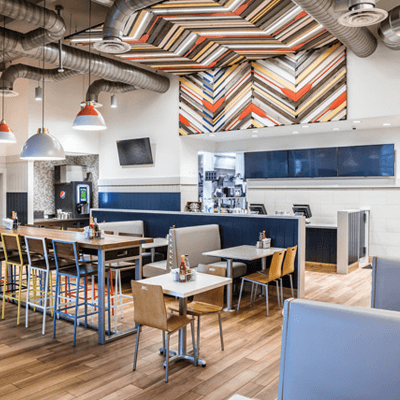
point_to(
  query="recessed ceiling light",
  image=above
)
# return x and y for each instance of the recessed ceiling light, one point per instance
(387, 124)
(254, 135)
(255, 131)
(295, 132)
(356, 122)
(305, 126)
(211, 134)
(336, 129)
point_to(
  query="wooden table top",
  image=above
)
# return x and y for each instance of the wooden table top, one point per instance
(108, 242)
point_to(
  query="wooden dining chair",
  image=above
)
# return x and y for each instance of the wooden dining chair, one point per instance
(73, 229)
(150, 310)
(288, 267)
(264, 278)
(210, 302)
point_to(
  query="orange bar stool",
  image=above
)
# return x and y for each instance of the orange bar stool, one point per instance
(14, 257)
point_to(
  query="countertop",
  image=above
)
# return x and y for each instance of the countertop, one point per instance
(322, 226)
(44, 220)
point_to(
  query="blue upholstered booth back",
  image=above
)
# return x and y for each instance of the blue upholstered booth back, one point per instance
(235, 230)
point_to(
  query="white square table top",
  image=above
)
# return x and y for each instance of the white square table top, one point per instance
(203, 283)
(158, 242)
(246, 253)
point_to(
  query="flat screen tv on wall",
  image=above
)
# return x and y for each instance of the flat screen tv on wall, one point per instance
(134, 151)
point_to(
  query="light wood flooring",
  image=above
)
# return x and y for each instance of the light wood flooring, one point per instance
(33, 366)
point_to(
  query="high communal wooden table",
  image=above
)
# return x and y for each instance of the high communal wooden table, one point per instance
(109, 249)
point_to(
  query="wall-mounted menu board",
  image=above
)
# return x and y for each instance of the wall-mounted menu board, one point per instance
(266, 164)
(374, 160)
(310, 163)
(377, 160)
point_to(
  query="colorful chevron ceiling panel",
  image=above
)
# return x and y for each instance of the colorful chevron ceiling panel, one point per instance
(184, 37)
(306, 87)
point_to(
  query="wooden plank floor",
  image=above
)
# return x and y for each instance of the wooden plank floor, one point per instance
(33, 366)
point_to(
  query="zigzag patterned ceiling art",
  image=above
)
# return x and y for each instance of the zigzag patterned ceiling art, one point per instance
(306, 87)
(183, 37)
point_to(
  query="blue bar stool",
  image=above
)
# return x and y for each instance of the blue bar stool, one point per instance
(69, 252)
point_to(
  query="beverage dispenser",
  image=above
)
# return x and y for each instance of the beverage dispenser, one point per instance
(74, 198)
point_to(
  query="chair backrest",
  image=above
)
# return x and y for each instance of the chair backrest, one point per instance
(275, 269)
(149, 305)
(213, 296)
(332, 351)
(288, 263)
(36, 246)
(12, 243)
(194, 241)
(123, 226)
(130, 234)
(385, 292)
(55, 227)
(66, 251)
(109, 232)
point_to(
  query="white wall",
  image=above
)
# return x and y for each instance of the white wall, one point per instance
(373, 84)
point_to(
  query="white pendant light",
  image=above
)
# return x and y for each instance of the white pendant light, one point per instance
(42, 146)
(89, 119)
(6, 134)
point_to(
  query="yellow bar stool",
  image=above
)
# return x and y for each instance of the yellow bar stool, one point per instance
(12, 289)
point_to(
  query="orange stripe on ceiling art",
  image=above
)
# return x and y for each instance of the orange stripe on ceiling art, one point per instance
(336, 103)
(213, 107)
(241, 8)
(184, 121)
(298, 16)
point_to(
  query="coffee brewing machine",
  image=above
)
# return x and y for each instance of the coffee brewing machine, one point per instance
(74, 198)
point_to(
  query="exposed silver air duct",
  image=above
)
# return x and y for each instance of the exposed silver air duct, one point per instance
(115, 23)
(359, 40)
(78, 60)
(12, 73)
(53, 27)
(102, 85)
(360, 13)
(389, 30)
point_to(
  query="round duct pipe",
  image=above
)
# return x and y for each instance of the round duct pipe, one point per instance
(389, 30)
(362, 13)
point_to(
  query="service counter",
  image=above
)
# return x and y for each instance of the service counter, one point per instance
(64, 223)
(321, 246)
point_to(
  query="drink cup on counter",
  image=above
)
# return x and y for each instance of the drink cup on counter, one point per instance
(259, 244)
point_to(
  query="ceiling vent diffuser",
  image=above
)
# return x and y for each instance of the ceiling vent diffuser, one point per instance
(362, 13)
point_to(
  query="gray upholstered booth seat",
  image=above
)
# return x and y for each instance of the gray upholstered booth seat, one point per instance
(332, 351)
(194, 241)
(155, 269)
(386, 283)
(134, 227)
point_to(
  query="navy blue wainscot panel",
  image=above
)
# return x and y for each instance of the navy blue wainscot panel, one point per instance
(321, 245)
(18, 202)
(235, 230)
(141, 201)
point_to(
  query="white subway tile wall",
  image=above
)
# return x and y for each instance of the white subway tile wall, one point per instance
(383, 203)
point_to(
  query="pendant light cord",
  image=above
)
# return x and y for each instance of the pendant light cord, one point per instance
(44, 44)
(4, 65)
(90, 44)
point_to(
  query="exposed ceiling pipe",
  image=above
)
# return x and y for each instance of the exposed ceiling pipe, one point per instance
(78, 60)
(53, 27)
(102, 85)
(12, 73)
(359, 40)
(115, 23)
(389, 30)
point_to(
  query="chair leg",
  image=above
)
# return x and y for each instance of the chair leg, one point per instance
(291, 284)
(46, 293)
(277, 293)
(198, 337)
(193, 342)
(281, 283)
(4, 290)
(55, 304)
(120, 293)
(136, 347)
(27, 296)
(19, 293)
(266, 298)
(255, 292)
(76, 309)
(85, 297)
(163, 341)
(167, 359)
(240, 294)
(109, 303)
(115, 299)
(220, 331)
